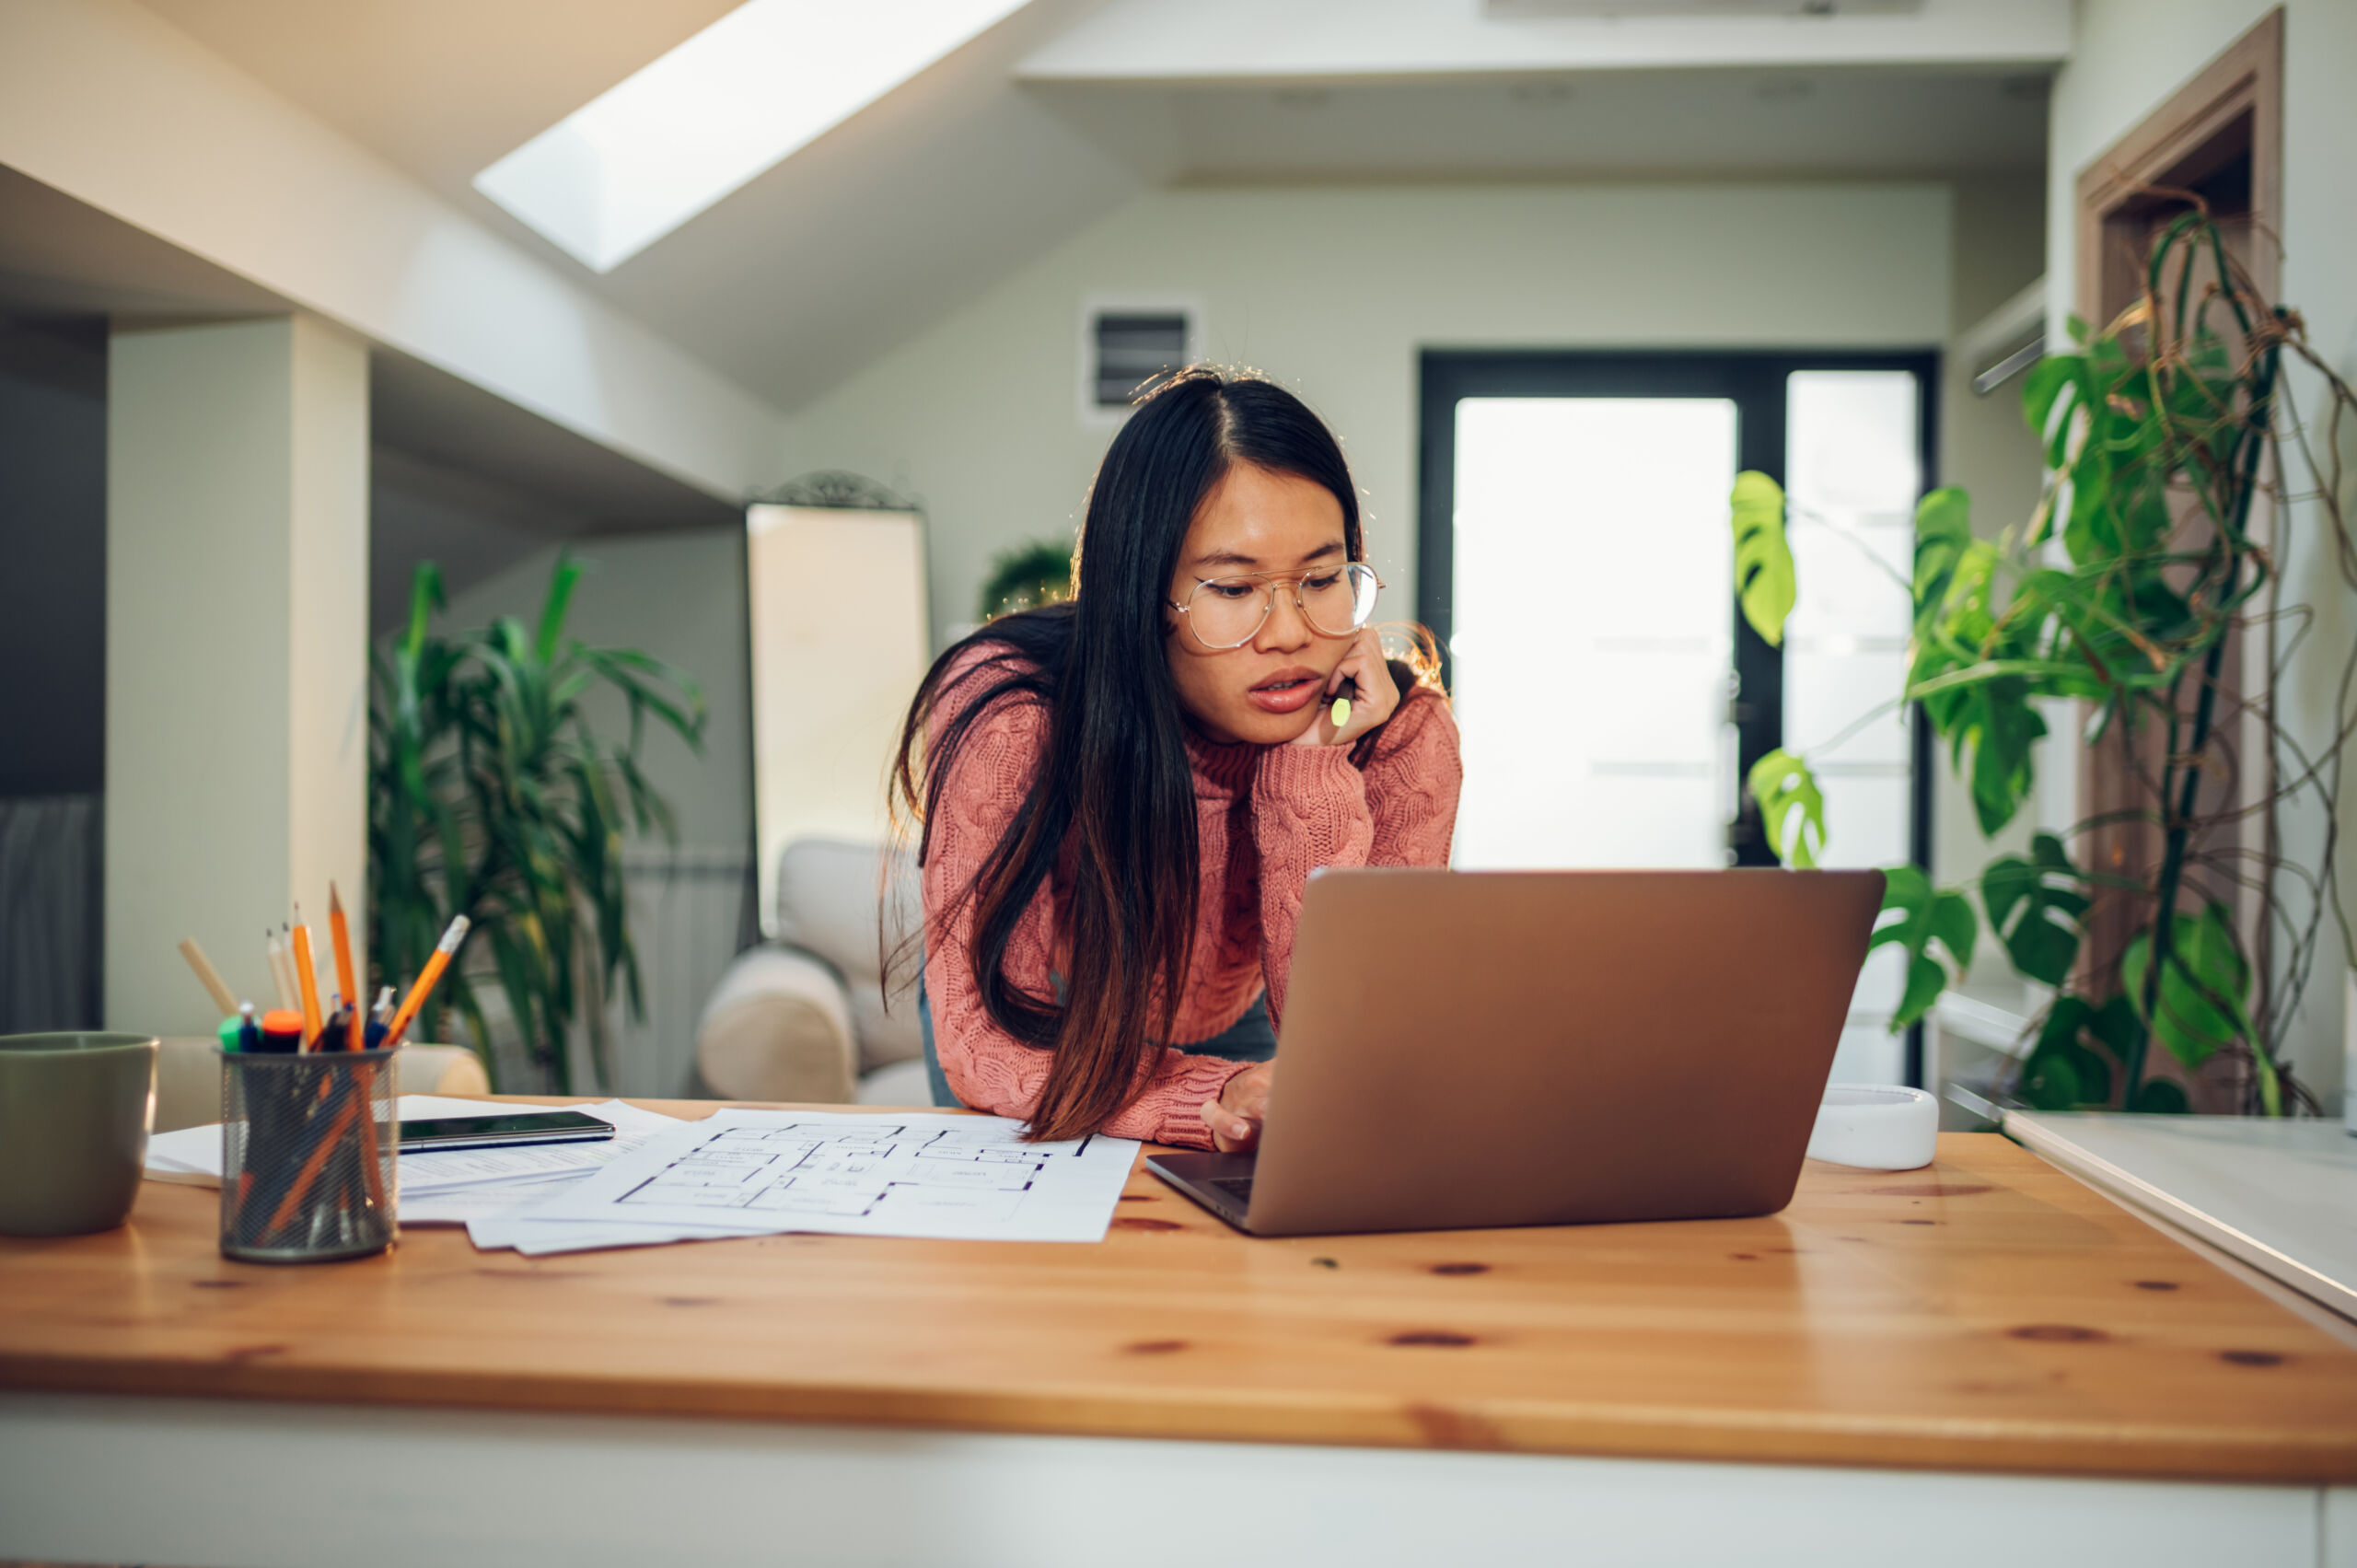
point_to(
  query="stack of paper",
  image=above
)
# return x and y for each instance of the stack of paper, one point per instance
(445, 1186)
(738, 1173)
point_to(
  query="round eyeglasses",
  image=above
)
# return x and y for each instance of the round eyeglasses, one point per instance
(1227, 612)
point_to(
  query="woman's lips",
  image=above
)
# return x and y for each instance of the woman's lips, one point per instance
(1288, 691)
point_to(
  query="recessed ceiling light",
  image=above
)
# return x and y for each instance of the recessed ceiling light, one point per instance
(640, 158)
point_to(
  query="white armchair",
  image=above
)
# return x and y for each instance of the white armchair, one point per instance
(802, 1018)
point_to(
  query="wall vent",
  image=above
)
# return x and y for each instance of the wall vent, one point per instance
(1126, 343)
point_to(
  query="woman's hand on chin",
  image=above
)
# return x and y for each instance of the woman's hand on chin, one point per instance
(1373, 701)
(1235, 1118)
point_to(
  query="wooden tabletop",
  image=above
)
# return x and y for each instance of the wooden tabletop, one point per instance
(1989, 1313)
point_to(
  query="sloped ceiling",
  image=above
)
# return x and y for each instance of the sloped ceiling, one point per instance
(895, 218)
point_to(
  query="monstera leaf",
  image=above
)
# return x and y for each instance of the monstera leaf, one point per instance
(2204, 995)
(2063, 1073)
(2034, 908)
(1763, 559)
(1791, 809)
(1925, 916)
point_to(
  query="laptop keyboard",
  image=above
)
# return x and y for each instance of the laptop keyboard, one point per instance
(1237, 1187)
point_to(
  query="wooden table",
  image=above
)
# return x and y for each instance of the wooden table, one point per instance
(1892, 1364)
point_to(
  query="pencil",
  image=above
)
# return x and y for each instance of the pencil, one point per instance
(434, 964)
(306, 975)
(281, 971)
(209, 977)
(344, 981)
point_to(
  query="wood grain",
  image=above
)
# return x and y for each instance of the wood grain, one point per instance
(1989, 1313)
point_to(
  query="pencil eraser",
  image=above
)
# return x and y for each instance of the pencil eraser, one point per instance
(1340, 712)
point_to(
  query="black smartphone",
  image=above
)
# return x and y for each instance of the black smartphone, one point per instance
(494, 1132)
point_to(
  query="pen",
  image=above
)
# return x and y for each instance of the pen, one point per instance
(434, 964)
(248, 1032)
(306, 976)
(344, 984)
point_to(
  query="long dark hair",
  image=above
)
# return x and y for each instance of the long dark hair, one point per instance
(1113, 783)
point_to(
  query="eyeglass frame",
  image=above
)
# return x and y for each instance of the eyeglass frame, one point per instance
(1271, 581)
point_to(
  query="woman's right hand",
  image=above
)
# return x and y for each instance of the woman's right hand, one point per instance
(1235, 1118)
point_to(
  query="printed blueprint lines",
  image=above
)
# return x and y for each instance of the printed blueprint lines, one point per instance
(889, 1174)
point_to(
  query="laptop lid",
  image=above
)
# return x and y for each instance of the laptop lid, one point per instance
(1473, 1049)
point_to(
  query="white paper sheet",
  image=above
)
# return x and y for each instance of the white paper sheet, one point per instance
(765, 1172)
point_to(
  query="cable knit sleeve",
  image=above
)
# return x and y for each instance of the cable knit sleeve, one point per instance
(988, 1068)
(1313, 807)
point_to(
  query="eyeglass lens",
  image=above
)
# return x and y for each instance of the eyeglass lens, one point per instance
(1226, 611)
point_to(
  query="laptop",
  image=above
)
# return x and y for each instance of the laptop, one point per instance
(1469, 1048)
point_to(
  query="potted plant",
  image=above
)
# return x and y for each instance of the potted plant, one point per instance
(2127, 593)
(491, 796)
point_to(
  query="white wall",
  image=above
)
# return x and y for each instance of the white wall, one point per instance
(1987, 448)
(2131, 57)
(1334, 291)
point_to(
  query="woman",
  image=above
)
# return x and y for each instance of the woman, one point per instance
(1124, 797)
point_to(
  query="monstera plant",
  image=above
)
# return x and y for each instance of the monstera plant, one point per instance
(2125, 597)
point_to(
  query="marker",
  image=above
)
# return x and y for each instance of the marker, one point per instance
(248, 1032)
(228, 1032)
(1340, 712)
(281, 1031)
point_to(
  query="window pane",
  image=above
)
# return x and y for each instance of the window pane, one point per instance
(1853, 473)
(1593, 612)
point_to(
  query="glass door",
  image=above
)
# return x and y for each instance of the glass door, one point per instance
(1576, 563)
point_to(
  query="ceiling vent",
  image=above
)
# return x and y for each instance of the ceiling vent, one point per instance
(1125, 343)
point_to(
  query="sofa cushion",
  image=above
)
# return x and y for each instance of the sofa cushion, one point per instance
(777, 1029)
(828, 895)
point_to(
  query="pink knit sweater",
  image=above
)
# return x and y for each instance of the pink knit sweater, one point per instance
(1265, 817)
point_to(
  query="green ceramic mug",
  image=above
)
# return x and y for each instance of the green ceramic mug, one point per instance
(74, 1111)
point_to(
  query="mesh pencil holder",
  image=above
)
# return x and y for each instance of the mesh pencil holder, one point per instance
(308, 1150)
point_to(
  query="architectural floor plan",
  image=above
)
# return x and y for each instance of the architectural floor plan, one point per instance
(892, 1174)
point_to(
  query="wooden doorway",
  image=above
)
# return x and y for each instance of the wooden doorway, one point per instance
(2220, 139)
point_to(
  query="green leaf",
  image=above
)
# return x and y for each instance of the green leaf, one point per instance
(1791, 809)
(2202, 991)
(1763, 559)
(1917, 917)
(1943, 533)
(2160, 1096)
(2034, 906)
(552, 609)
(2061, 1073)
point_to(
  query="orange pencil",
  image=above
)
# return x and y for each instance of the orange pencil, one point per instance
(435, 964)
(307, 977)
(344, 981)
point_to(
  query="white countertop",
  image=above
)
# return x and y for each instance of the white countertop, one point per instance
(2281, 1196)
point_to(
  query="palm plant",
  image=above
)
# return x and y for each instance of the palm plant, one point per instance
(492, 796)
(2129, 592)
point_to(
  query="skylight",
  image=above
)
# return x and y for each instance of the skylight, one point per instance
(656, 149)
